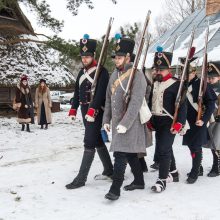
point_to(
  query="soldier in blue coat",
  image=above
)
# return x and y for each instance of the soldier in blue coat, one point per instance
(92, 113)
(214, 128)
(197, 136)
(162, 103)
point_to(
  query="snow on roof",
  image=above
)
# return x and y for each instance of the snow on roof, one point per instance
(35, 61)
(183, 31)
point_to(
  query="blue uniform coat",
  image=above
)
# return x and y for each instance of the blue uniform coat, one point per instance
(82, 93)
(197, 136)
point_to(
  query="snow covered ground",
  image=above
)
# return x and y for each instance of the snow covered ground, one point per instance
(36, 167)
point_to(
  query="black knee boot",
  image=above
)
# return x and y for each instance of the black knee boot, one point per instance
(135, 165)
(22, 127)
(196, 163)
(172, 163)
(106, 161)
(173, 175)
(164, 168)
(155, 165)
(143, 164)
(215, 171)
(28, 128)
(86, 163)
(118, 176)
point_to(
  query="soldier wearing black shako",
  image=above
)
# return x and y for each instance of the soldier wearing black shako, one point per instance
(197, 136)
(92, 113)
(162, 104)
(129, 135)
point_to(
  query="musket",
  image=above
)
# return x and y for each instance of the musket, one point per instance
(103, 50)
(190, 53)
(177, 66)
(145, 52)
(174, 44)
(218, 111)
(144, 59)
(136, 61)
(203, 80)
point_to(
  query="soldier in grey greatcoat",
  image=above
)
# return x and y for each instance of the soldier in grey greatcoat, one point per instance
(128, 134)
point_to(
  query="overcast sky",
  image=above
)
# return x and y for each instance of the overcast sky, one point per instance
(94, 22)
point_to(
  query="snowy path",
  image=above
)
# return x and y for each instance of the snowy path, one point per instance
(35, 168)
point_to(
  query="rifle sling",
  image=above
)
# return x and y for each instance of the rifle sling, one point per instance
(119, 80)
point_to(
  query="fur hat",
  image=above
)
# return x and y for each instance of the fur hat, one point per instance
(24, 77)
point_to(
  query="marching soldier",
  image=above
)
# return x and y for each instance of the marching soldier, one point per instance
(197, 136)
(92, 113)
(162, 102)
(149, 134)
(214, 142)
(128, 134)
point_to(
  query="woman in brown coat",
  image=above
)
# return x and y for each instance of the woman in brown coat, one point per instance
(43, 104)
(24, 103)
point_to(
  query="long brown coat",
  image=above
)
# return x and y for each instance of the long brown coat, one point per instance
(24, 104)
(43, 96)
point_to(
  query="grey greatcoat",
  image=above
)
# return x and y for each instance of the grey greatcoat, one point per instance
(135, 138)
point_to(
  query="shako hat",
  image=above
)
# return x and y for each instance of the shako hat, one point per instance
(123, 46)
(192, 67)
(162, 60)
(87, 46)
(214, 69)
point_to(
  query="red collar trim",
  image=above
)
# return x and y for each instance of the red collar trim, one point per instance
(168, 76)
(94, 63)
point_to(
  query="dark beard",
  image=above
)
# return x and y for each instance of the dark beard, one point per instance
(158, 78)
(87, 66)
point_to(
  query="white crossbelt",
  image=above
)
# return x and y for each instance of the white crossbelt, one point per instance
(190, 98)
(186, 127)
(87, 76)
(195, 105)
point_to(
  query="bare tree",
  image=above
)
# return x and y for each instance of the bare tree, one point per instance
(176, 11)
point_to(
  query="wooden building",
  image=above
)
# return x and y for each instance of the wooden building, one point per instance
(26, 57)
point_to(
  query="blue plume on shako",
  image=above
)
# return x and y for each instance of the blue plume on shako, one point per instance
(159, 49)
(86, 36)
(117, 36)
